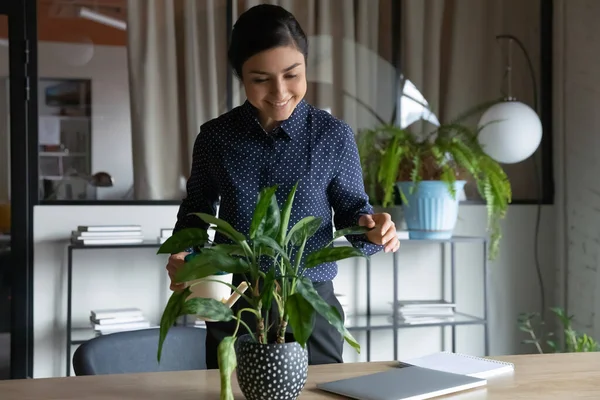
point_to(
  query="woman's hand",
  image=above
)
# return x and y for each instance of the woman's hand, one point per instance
(175, 262)
(383, 230)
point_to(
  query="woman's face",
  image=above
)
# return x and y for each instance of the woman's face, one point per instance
(275, 82)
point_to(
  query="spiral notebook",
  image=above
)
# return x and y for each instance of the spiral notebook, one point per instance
(462, 364)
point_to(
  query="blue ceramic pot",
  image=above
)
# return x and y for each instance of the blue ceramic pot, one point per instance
(431, 212)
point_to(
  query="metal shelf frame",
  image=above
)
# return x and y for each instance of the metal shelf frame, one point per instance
(370, 322)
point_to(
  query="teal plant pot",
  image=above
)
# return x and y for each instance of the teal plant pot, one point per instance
(431, 212)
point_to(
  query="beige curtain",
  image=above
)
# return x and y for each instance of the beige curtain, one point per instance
(450, 53)
(177, 75)
(178, 66)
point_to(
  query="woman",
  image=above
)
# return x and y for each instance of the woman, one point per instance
(275, 137)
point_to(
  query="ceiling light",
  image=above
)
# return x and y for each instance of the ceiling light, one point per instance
(102, 19)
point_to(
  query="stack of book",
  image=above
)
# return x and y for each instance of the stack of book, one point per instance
(117, 320)
(107, 234)
(424, 312)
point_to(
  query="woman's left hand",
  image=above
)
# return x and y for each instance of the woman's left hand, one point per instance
(383, 230)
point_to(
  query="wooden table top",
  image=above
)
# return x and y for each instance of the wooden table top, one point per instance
(551, 376)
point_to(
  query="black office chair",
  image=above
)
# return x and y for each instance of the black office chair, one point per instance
(135, 351)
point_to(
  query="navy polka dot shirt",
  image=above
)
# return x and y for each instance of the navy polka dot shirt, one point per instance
(234, 158)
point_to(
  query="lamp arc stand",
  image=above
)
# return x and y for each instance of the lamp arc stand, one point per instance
(514, 39)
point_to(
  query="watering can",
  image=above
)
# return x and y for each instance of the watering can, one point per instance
(215, 287)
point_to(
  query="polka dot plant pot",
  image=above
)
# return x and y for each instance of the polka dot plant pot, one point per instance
(271, 371)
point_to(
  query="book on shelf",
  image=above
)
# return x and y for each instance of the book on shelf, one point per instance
(109, 228)
(420, 320)
(106, 321)
(424, 312)
(107, 234)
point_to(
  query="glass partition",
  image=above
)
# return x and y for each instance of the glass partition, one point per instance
(125, 85)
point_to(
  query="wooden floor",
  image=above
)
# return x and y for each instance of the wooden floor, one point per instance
(4, 355)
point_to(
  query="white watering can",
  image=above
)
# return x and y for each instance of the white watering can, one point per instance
(212, 288)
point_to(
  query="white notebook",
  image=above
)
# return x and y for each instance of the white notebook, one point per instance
(462, 364)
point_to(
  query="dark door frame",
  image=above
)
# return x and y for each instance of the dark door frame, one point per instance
(22, 16)
(22, 39)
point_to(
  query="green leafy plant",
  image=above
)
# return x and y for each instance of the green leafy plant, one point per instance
(450, 152)
(574, 342)
(283, 285)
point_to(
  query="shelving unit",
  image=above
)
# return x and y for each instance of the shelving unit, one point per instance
(366, 323)
(82, 335)
(374, 322)
(65, 146)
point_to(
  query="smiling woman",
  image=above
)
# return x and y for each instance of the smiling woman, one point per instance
(272, 68)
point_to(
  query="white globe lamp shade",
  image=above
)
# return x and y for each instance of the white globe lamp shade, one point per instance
(510, 132)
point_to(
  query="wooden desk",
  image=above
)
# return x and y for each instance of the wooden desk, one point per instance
(556, 376)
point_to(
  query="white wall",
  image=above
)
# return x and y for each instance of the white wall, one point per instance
(136, 277)
(106, 66)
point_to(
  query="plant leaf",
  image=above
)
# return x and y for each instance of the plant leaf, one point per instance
(210, 262)
(353, 230)
(223, 227)
(301, 316)
(184, 239)
(227, 364)
(330, 254)
(266, 217)
(170, 314)
(330, 313)
(231, 249)
(207, 308)
(270, 243)
(306, 227)
(285, 215)
(267, 293)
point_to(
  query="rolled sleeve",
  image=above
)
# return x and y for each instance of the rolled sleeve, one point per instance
(347, 194)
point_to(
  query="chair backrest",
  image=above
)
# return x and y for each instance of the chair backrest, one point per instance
(135, 351)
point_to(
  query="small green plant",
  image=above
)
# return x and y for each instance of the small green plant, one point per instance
(283, 284)
(574, 342)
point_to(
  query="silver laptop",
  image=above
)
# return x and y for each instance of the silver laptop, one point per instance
(402, 383)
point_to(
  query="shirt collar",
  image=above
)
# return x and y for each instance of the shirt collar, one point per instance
(292, 126)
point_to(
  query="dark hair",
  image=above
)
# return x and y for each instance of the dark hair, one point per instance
(261, 28)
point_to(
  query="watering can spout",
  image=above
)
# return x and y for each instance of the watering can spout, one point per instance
(235, 296)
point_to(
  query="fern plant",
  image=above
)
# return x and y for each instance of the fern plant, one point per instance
(448, 153)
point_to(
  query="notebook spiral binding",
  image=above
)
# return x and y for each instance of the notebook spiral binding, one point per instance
(480, 358)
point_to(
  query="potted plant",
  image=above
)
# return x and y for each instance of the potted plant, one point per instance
(428, 169)
(574, 342)
(260, 355)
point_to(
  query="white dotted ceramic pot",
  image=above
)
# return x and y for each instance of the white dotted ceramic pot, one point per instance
(271, 371)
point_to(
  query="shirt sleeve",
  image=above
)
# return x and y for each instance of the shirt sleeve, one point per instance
(347, 194)
(202, 188)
